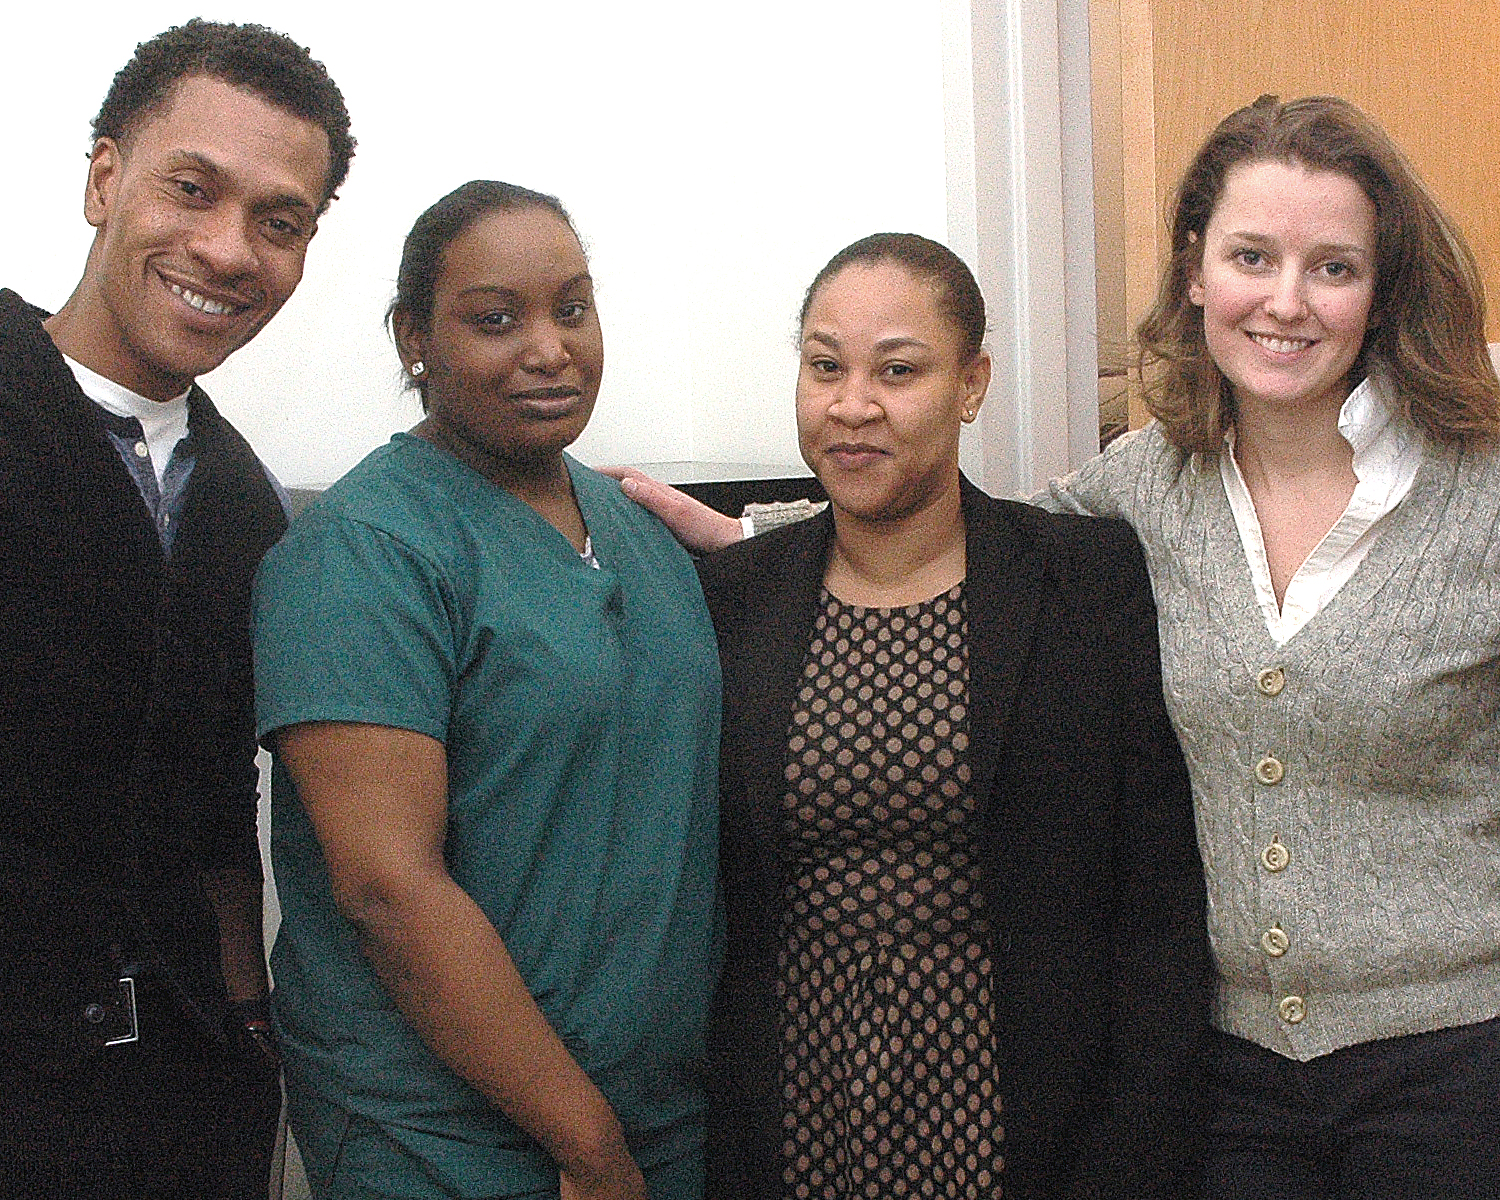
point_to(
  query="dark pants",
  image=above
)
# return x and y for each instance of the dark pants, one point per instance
(171, 1115)
(1409, 1118)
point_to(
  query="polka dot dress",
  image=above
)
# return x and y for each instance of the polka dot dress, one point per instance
(888, 1075)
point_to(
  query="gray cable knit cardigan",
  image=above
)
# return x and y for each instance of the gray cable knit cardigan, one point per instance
(1347, 784)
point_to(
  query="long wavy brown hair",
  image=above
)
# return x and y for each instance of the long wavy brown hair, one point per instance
(1427, 319)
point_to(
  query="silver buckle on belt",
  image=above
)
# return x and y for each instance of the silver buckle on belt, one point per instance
(127, 1007)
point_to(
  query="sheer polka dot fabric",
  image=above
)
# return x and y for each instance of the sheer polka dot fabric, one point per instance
(888, 1073)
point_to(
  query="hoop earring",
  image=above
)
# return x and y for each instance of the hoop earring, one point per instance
(418, 368)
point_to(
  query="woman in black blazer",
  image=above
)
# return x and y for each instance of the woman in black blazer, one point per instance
(966, 950)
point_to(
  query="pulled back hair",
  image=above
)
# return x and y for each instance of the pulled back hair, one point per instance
(962, 302)
(251, 57)
(1427, 317)
(432, 234)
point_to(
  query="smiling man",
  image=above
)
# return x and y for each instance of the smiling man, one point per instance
(138, 1061)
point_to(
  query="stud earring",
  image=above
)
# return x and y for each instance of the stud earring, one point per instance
(418, 368)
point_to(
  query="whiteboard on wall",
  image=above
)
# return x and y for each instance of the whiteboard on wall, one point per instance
(713, 158)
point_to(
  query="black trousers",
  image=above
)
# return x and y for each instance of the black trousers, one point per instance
(171, 1115)
(1408, 1118)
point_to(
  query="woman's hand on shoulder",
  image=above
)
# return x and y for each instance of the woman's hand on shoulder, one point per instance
(700, 529)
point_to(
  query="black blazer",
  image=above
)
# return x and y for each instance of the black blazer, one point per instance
(1090, 870)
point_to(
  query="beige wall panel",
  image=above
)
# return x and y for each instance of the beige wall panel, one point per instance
(1139, 185)
(1429, 72)
(1109, 183)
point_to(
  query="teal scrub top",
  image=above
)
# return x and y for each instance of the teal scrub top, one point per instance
(579, 709)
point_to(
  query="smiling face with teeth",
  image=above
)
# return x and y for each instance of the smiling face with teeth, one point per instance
(1286, 285)
(202, 218)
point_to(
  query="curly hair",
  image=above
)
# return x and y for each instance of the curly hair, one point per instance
(251, 57)
(1427, 317)
(963, 303)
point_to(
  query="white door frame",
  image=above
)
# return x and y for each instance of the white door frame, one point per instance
(1021, 210)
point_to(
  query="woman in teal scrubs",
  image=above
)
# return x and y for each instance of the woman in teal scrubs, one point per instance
(492, 691)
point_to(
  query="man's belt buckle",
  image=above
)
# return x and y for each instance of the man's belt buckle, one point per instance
(127, 1008)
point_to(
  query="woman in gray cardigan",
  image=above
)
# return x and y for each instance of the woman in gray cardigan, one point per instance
(1319, 500)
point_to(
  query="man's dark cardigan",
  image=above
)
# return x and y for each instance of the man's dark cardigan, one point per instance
(126, 702)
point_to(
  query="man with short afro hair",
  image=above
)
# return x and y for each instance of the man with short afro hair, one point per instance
(139, 1059)
(250, 57)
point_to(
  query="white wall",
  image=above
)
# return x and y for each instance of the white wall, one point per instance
(712, 159)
